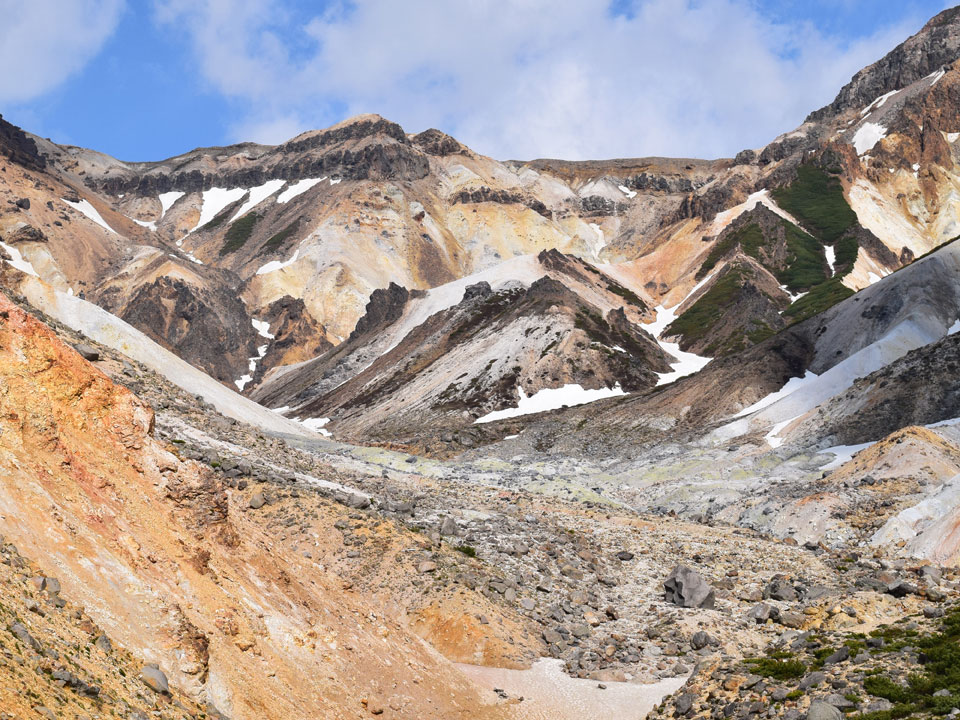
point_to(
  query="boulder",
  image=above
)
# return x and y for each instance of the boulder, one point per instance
(154, 679)
(258, 501)
(449, 527)
(685, 587)
(87, 352)
(820, 710)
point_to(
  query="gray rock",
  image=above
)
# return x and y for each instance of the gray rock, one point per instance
(820, 710)
(761, 612)
(700, 640)
(812, 679)
(103, 642)
(840, 655)
(154, 679)
(87, 352)
(684, 587)
(780, 589)
(449, 527)
(22, 634)
(258, 501)
(357, 501)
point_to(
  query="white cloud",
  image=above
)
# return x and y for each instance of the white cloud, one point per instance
(532, 78)
(44, 42)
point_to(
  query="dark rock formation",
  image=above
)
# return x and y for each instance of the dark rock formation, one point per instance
(936, 45)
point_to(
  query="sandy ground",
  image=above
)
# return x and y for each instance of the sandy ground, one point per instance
(550, 694)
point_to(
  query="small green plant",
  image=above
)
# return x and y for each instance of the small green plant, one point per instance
(275, 241)
(467, 550)
(238, 233)
(777, 669)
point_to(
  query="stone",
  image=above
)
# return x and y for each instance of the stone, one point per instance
(841, 655)
(684, 587)
(449, 527)
(22, 634)
(700, 640)
(154, 679)
(357, 501)
(625, 555)
(103, 642)
(820, 710)
(87, 352)
(551, 637)
(779, 589)
(427, 566)
(257, 501)
(23, 203)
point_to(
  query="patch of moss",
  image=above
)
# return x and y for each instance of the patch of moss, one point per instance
(806, 265)
(816, 200)
(697, 321)
(626, 294)
(940, 672)
(777, 669)
(749, 237)
(274, 242)
(467, 550)
(239, 232)
(820, 298)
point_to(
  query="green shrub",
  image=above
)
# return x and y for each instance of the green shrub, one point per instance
(467, 550)
(239, 232)
(777, 669)
(697, 321)
(816, 200)
(275, 241)
(820, 298)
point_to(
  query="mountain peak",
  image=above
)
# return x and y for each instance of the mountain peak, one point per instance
(937, 44)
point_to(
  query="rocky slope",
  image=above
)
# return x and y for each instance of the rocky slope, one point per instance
(759, 515)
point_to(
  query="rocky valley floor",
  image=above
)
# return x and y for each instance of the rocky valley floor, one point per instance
(504, 562)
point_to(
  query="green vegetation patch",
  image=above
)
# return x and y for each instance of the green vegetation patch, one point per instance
(696, 322)
(940, 673)
(778, 669)
(239, 232)
(276, 241)
(820, 298)
(806, 265)
(749, 237)
(816, 200)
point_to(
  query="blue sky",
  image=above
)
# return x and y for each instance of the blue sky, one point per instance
(147, 79)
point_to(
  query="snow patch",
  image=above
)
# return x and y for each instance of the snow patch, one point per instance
(792, 385)
(151, 225)
(263, 328)
(773, 437)
(90, 212)
(830, 252)
(168, 200)
(843, 453)
(317, 425)
(298, 188)
(868, 135)
(878, 103)
(627, 191)
(687, 362)
(215, 200)
(936, 76)
(600, 243)
(258, 195)
(954, 328)
(551, 399)
(18, 261)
